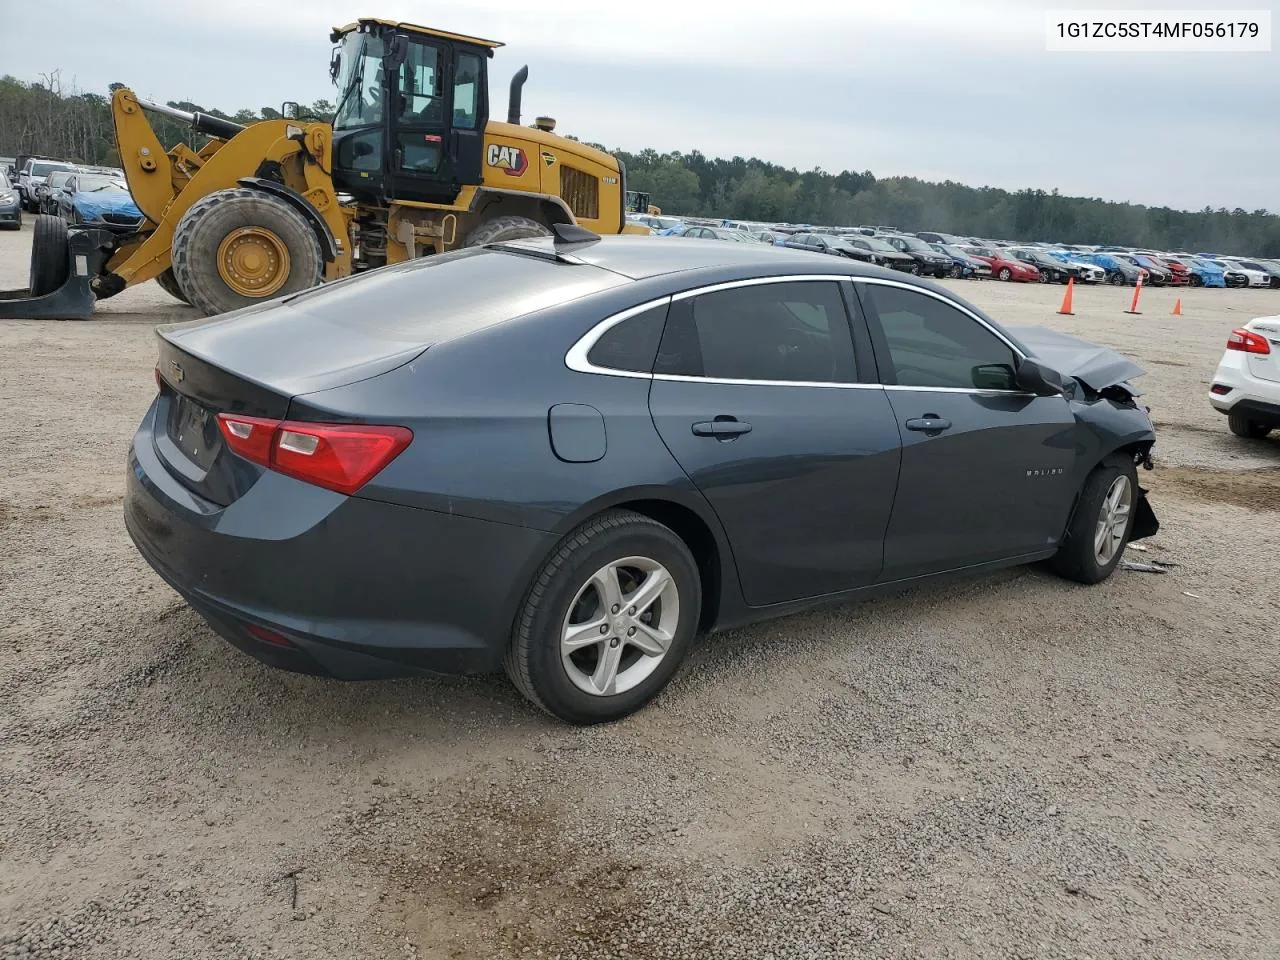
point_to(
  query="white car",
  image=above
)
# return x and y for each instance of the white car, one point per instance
(1257, 278)
(1246, 385)
(1088, 272)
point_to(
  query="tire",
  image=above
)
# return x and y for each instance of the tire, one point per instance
(1116, 279)
(50, 262)
(1197, 281)
(169, 284)
(213, 220)
(551, 678)
(1005, 273)
(1078, 558)
(1045, 278)
(955, 272)
(1241, 426)
(505, 228)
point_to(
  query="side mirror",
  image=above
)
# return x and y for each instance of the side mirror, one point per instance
(1036, 378)
(289, 110)
(995, 376)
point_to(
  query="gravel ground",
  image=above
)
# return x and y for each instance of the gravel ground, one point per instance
(1013, 767)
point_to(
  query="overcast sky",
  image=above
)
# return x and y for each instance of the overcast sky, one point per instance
(939, 89)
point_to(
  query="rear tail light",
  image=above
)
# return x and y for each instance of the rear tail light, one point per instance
(337, 456)
(1220, 389)
(1248, 342)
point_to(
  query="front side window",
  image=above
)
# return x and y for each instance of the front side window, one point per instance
(795, 331)
(932, 344)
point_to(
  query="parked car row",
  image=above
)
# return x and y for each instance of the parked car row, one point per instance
(931, 253)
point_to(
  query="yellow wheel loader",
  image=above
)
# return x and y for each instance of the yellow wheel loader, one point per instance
(411, 165)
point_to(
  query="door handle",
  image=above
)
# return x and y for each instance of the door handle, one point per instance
(722, 428)
(929, 423)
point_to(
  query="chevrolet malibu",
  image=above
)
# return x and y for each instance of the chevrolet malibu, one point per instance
(568, 456)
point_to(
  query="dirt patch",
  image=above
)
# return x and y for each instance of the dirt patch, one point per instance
(1252, 489)
(499, 872)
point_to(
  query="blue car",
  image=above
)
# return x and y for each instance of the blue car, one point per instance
(1203, 273)
(99, 200)
(1119, 271)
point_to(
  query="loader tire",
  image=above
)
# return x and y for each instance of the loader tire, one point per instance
(240, 246)
(505, 228)
(169, 284)
(50, 261)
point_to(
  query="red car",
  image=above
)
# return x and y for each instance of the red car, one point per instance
(1004, 267)
(1181, 275)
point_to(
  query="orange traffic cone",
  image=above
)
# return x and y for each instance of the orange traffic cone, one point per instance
(1066, 297)
(1137, 292)
(1177, 308)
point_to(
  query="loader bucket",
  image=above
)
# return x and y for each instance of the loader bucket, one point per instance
(87, 251)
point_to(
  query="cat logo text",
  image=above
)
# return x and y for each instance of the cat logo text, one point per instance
(510, 160)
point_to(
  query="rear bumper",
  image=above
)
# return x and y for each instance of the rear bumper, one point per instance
(1245, 393)
(355, 589)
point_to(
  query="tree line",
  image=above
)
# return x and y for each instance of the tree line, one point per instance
(46, 117)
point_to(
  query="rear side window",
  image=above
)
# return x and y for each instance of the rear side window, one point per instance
(632, 344)
(932, 344)
(795, 331)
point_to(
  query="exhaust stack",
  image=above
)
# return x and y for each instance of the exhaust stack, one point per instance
(517, 85)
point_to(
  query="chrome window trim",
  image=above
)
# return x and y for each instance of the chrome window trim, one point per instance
(576, 357)
(881, 282)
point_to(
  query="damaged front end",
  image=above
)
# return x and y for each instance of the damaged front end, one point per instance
(1098, 382)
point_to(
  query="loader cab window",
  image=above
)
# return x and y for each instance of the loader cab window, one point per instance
(420, 84)
(466, 85)
(360, 102)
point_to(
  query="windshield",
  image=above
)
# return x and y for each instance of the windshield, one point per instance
(360, 104)
(95, 184)
(916, 244)
(1251, 265)
(882, 246)
(43, 169)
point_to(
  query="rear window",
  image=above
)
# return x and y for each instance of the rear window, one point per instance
(453, 293)
(43, 169)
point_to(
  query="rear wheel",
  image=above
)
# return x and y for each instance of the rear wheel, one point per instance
(169, 284)
(237, 247)
(1242, 426)
(1101, 523)
(50, 260)
(607, 620)
(506, 228)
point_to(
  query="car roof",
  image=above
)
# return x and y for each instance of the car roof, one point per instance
(639, 258)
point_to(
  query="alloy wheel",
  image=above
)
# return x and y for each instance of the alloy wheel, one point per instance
(1113, 520)
(620, 626)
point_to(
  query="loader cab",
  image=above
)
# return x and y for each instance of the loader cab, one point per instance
(412, 108)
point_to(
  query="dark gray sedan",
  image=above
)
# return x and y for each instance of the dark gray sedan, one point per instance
(568, 457)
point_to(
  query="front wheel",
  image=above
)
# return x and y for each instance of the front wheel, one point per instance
(1005, 273)
(607, 620)
(240, 246)
(1101, 524)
